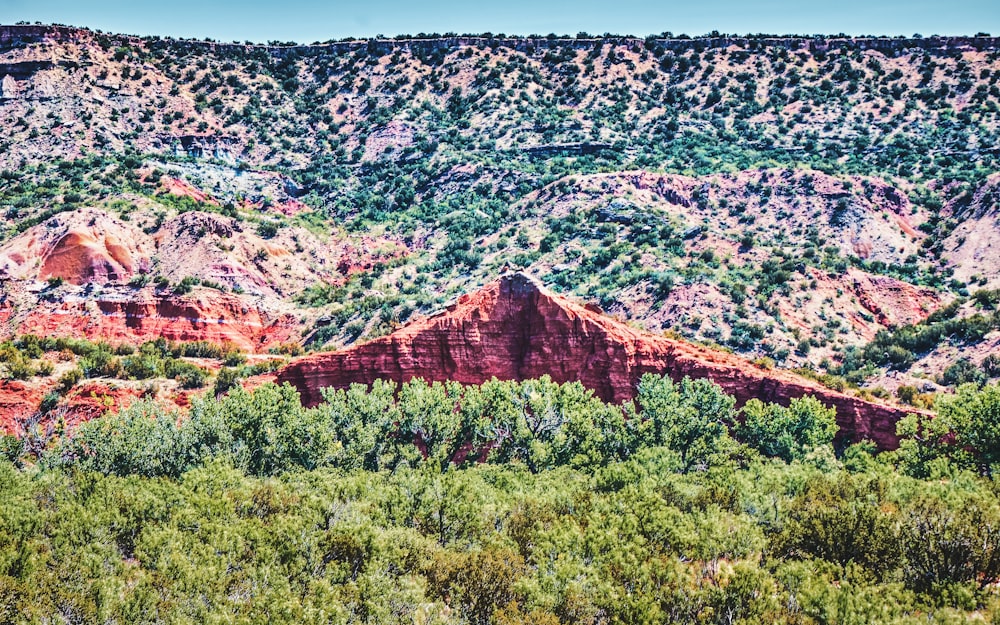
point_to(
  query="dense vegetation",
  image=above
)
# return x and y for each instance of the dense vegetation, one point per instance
(372, 508)
(70, 361)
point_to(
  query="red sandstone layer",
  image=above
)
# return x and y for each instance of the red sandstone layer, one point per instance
(204, 315)
(514, 329)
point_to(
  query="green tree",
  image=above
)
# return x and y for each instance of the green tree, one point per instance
(924, 446)
(363, 423)
(841, 521)
(271, 431)
(143, 439)
(948, 542)
(788, 433)
(692, 417)
(429, 418)
(974, 416)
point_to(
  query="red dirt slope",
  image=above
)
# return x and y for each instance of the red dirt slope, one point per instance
(79, 247)
(515, 329)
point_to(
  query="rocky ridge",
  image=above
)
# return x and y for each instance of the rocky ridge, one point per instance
(514, 328)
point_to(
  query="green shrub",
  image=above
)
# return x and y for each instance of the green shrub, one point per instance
(226, 379)
(69, 379)
(962, 371)
(188, 375)
(267, 229)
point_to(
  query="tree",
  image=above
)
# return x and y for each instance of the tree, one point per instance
(924, 449)
(429, 418)
(363, 423)
(841, 521)
(528, 418)
(950, 542)
(788, 433)
(271, 431)
(691, 418)
(974, 416)
(141, 440)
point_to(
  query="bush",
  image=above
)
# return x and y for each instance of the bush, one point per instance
(49, 402)
(950, 544)
(991, 365)
(839, 522)
(11, 448)
(962, 371)
(101, 363)
(142, 366)
(69, 379)
(267, 229)
(186, 284)
(906, 394)
(139, 280)
(226, 379)
(19, 368)
(188, 375)
(140, 440)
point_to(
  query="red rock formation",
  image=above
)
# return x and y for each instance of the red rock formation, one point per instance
(78, 247)
(91, 400)
(80, 258)
(20, 405)
(892, 302)
(17, 402)
(515, 329)
(203, 315)
(181, 188)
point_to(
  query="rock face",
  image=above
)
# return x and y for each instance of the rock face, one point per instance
(125, 316)
(17, 401)
(20, 404)
(515, 329)
(78, 247)
(89, 256)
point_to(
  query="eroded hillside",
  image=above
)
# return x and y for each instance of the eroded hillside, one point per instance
(787, 199)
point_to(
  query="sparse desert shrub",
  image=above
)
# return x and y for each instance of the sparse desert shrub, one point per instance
(69, 379)
(906, 394)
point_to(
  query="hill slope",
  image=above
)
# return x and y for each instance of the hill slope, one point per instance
(787, 198)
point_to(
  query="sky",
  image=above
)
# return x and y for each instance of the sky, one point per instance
(306, 21)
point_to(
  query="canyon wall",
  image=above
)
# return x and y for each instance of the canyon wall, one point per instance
(514, 329)
(204, 315)
(21, 34)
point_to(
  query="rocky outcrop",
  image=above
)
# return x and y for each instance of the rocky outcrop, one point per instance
(78, 247)
(973, 248)
(21, 413)
(136, 316)
(515, 329)
(17, 402)
(890, 301)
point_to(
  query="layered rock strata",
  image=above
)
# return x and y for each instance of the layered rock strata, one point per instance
(515, 329)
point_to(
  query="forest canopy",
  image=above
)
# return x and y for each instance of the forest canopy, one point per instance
(506, 502)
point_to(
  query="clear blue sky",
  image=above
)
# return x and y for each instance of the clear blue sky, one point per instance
(306, 21)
